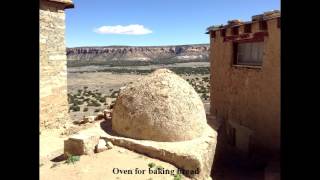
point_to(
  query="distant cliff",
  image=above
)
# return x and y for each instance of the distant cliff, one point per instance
(136, 55)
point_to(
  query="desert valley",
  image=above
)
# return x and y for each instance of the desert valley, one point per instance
(96, 74)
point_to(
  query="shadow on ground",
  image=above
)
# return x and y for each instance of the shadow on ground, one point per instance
(59, 158)
(106, 125)
(229, 164)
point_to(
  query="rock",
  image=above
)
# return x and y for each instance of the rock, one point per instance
(109, 145)
(89, 119)
(122, 88)
(100, 116)
(121, 150)
(101, 146)
(106, 110)
(80, 144)
(160, 107)
(79, 122)
(193, 155)
(107, 114)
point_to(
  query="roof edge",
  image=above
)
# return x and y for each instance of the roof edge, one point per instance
(234, 23)
(67, 3)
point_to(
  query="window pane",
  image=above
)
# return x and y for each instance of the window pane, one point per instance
(250, 53)
(254, 53)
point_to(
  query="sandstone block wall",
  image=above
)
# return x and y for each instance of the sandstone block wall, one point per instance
(53, 69)
(248, 97)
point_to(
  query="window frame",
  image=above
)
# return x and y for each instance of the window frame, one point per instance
(247, 28)
(223, 32)
(263, 25)
(213, 34)
(235, 31)
(235, 51)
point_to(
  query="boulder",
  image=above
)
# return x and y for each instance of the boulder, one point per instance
(80, 144)
(100, 116)
(109, 145)
(87, 119)
(101, 146)
(160, 107)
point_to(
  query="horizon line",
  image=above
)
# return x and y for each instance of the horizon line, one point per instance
(140, 45)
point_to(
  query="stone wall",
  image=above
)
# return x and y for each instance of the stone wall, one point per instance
(53, 69)
(248, 99)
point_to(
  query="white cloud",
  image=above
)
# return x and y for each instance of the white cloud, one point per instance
(132, 29)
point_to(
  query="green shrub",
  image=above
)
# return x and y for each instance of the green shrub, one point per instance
(85, 109)
(114, 94)
(80, 102)
(77, 102)
(72, 159)
(94, 103)
(102, 99)
(151, 165)
(96, 110)
(89, 93)
(75, 108)
(177, 177)
(205, 79)
(81, 97)
(70, 99)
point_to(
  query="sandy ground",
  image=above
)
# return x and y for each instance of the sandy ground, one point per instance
(227, 166)
(148, 67)
(102, 81)
(50, 142)
(106, 166)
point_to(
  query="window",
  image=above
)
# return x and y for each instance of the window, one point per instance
(213, 34)
(263, 25)
(248, 53)
(247, 28)
(223, 32)
(235, 30)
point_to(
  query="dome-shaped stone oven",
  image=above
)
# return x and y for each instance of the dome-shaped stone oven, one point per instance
(160, 107)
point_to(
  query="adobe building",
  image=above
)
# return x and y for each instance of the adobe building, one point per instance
(245, 82)
(53, 68)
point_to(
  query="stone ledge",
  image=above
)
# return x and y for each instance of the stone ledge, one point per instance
(68, 3)
(247, 66)
(188, 155)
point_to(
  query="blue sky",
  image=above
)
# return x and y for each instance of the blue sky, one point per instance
(153, 22)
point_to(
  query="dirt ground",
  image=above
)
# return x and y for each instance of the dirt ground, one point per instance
(227, 165)
(106, 166)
